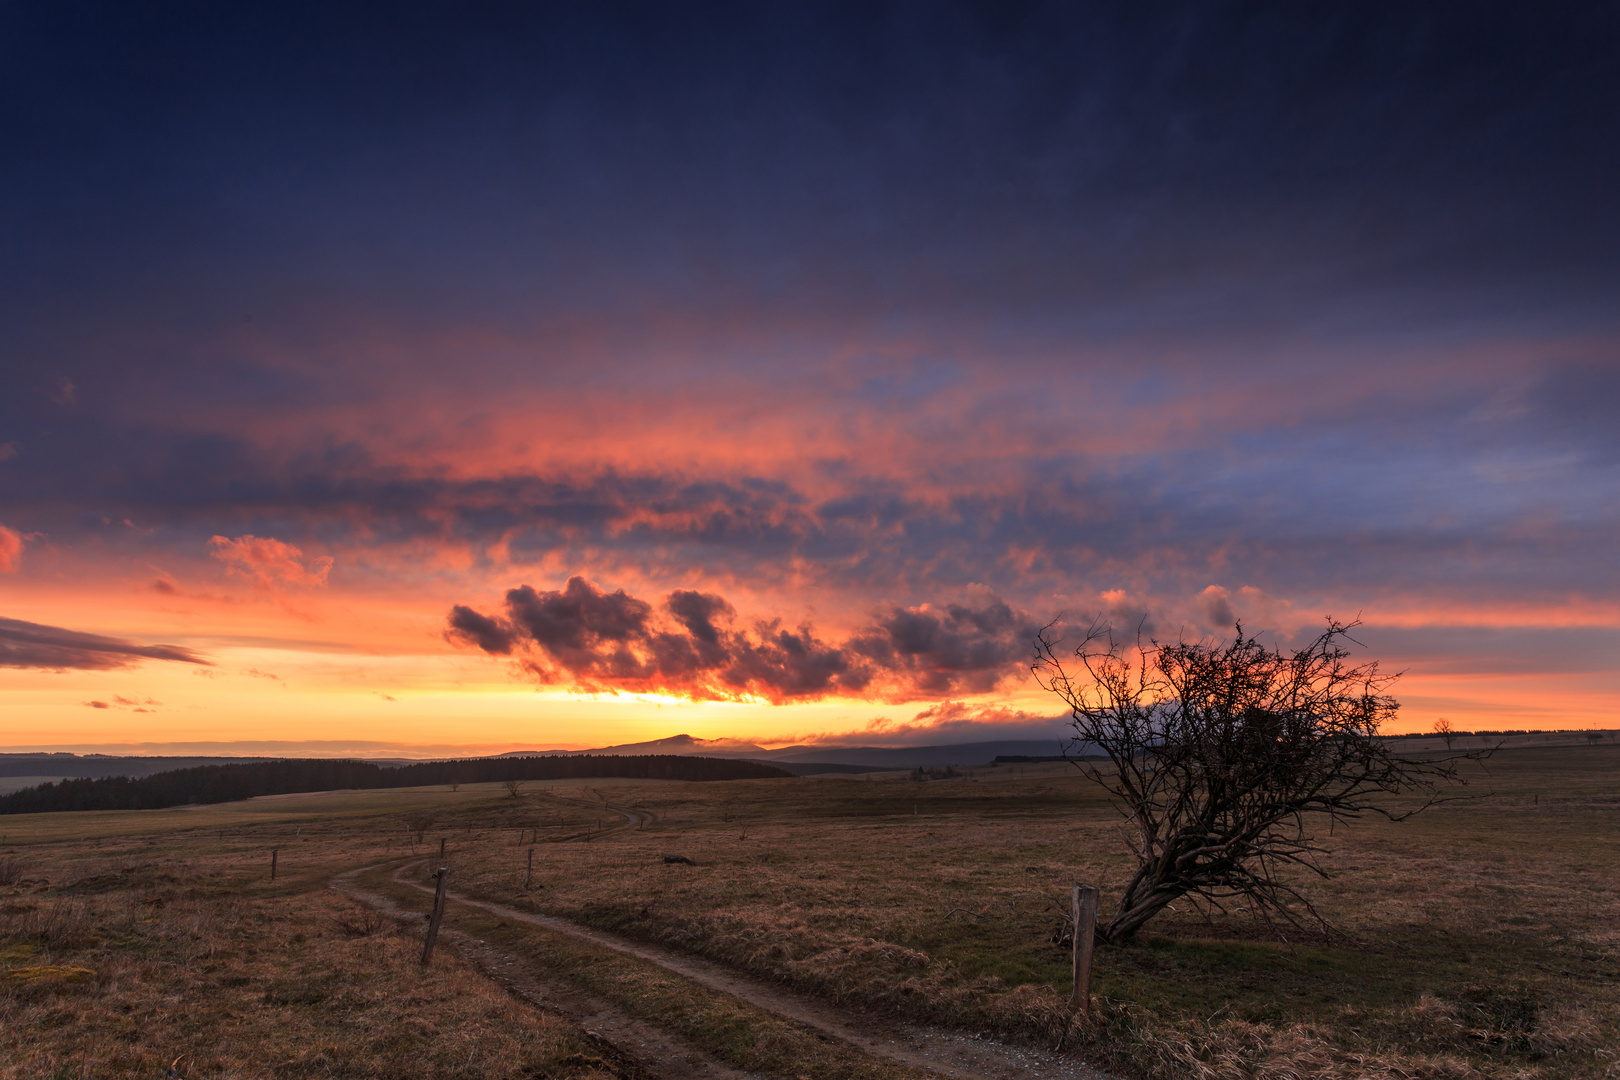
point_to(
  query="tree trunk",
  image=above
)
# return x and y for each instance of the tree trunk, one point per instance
(1136, 907)
(1126, 922)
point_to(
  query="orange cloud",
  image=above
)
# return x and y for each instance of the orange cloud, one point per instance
(270, 563)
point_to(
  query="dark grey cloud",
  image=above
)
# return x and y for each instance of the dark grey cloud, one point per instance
(488, 634)
(953, 649)
(698, 612)
(1215, 605)
(579, 620)
(31, 645)
(596, 641)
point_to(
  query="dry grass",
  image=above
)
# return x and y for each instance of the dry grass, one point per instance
(1479, 940)
(266, 813)
(11, 870)
(183, 962)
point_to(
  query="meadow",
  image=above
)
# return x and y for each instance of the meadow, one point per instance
(1477, 939)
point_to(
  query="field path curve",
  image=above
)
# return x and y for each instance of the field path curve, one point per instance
(947, 1053)
(633, 818)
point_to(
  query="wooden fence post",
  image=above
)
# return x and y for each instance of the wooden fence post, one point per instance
(273, 853)
(437, 916)
(441, 847)
(529, 873)
(1085, 926)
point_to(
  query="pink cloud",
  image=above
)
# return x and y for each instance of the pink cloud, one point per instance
(270, 563)
(951, 717)
(11, 548)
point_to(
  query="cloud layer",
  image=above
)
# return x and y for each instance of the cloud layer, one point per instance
(594, 641)
(1170, 314)
(30, 645)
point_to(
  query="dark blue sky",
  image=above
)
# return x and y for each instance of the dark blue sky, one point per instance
(1070, 163)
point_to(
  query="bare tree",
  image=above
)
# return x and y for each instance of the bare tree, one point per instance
(1442, 728)
(1225, 758)
(512, 787)
(419, 823)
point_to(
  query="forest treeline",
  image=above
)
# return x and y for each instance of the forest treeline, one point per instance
(57, 766)
(228, 783)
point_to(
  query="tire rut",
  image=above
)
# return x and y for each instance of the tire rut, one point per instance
(945, 1052)
(634, 1049)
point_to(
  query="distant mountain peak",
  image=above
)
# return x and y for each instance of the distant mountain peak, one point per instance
(682, 744)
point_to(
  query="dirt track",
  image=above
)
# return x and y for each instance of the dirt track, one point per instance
(944, 1052)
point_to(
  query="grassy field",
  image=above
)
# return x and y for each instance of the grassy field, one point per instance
(1477, 939)
(263, 815)
(171, 953)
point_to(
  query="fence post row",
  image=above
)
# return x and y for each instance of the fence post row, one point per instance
(1085, 926)
(437, 917)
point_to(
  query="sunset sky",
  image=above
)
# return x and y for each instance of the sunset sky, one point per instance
(442, 379)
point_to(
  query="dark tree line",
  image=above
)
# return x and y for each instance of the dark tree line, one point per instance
(96, 765)
(228, 783)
